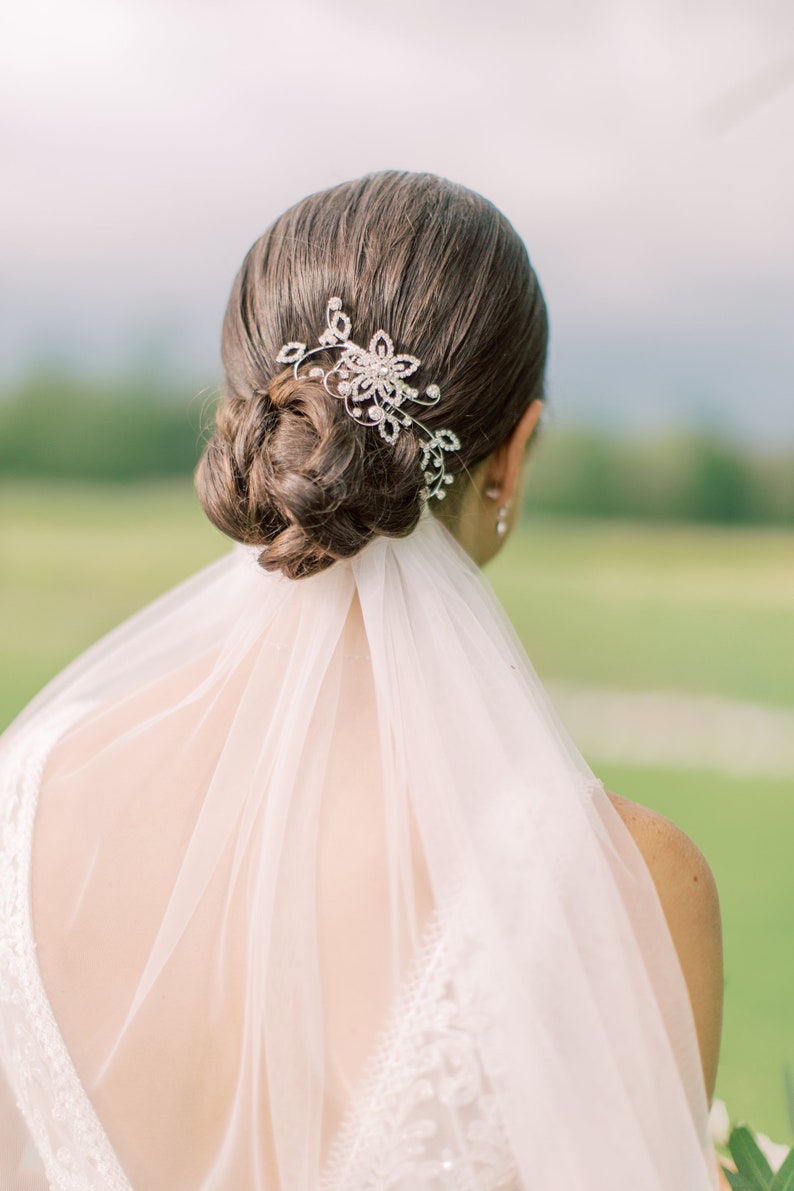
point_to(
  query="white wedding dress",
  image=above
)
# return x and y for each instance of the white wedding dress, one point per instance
(303, 888)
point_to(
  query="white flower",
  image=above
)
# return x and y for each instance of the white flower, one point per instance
(774, 1152)
(719, 1123)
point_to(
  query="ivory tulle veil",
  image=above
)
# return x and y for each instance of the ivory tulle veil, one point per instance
(304, 886)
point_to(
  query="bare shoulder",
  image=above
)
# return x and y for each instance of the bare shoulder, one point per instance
(678, 867)
(688, 894)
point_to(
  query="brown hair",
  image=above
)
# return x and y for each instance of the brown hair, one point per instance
(437, 267)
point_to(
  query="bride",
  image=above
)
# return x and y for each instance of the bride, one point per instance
(303, 885)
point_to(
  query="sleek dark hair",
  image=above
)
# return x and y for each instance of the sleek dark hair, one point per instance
(442, 271)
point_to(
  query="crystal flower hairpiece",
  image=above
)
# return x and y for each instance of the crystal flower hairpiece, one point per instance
(372, 384)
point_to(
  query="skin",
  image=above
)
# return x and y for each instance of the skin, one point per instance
(683, 879)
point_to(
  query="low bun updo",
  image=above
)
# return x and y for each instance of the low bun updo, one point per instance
(289, 469)
(447, 277)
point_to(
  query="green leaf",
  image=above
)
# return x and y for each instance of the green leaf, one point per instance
(748, 1158)
(738, 1181)
(784, 1179)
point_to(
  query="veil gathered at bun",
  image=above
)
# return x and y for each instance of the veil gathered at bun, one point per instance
(235, 836)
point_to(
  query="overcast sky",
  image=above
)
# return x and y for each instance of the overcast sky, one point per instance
(644, 150)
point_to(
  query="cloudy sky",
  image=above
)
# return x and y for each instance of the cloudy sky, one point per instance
(643, 148)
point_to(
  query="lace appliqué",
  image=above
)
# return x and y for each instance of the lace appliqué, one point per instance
(425, 1115)
(65, 1129)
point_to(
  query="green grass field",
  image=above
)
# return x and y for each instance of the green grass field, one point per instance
(638, 607)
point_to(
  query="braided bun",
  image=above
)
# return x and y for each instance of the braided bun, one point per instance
(289, 470)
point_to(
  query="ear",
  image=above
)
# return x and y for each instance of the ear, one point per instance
(505, 463)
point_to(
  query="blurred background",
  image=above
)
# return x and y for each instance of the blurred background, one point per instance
(644, 151)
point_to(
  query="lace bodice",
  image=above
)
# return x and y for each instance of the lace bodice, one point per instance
(424, 1116)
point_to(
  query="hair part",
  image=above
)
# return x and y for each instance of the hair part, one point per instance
(438, 268)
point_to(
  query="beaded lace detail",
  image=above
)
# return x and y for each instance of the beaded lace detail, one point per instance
(425, 1115)
(68, 1136)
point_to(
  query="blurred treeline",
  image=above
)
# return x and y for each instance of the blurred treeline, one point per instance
(66, 427)
(62, 427)
(686, 476)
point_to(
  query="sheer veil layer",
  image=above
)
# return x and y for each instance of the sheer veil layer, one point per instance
(304, 886)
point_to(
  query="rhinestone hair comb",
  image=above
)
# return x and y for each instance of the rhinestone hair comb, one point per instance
(372, 384)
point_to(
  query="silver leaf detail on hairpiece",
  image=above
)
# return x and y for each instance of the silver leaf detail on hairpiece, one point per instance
(372, 383)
